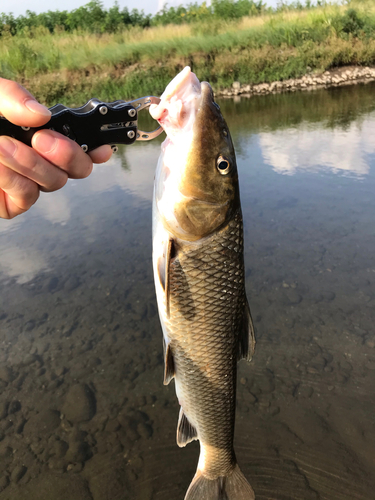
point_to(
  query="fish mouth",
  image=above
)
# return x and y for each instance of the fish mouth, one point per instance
(177, 83)
(179, 104)
(183, 99)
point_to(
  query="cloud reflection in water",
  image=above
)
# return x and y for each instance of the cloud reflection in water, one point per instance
(22, 263)
(53, 207)
(305, 149)
(131, 170)
(136, 176)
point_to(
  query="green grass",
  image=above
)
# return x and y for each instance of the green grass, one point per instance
(72, 67)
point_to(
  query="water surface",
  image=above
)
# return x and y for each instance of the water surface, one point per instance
(83, 411)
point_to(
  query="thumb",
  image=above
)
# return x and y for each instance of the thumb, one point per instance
(19, 107)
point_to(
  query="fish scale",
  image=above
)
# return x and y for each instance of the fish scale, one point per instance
(207, 301)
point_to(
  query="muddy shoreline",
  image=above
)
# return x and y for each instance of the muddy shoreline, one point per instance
(346, 75)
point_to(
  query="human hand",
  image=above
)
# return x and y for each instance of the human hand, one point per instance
(53, 158)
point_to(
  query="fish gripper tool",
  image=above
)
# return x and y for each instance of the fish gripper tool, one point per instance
(92, 125)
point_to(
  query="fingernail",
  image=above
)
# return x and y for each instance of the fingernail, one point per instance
(7, 147)
(35, 107)
(45, 142)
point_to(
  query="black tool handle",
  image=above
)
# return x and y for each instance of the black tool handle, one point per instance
(92, 125)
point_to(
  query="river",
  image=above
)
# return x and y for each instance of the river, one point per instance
(84, 414)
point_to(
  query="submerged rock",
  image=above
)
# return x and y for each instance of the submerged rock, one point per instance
(80, 403)
(6, 374)
(4, 409)
(18, 472)
(4, 481)
(43, 423)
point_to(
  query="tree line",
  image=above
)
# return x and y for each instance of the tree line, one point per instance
(94, 18)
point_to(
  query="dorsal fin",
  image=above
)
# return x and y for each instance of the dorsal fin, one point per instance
(246, 340)
(185, 431)
(168, 363)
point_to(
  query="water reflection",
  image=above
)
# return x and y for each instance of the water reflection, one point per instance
(22, 264)
(59, 208)
(139, 164)
(305, 148)
(55, 209)
(83, 411)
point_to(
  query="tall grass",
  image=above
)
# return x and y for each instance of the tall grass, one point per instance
(263, 48)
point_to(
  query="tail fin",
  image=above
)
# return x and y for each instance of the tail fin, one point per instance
(232, 487)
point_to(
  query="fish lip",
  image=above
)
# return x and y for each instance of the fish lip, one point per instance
(177, 88)
(178, 83)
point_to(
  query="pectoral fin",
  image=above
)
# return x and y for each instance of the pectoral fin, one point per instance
(185, 431)
(168, 363)
(246, 341)
(164, 263)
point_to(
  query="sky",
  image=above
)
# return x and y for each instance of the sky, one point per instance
(19, 7)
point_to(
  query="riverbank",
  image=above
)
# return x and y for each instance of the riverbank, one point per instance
(347, 75)
(76, 88)
(282, 51)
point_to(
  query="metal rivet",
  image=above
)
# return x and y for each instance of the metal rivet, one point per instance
(26, 129)
(132, 113)
(103, 110)
(66, 129)
(84, 147)
(114, 148)
(131, 134)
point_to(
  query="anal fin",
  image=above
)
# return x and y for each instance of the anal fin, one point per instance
(246, 340)
(168, 363)
(185, 431)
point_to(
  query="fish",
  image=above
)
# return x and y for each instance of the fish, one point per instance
(198, 266)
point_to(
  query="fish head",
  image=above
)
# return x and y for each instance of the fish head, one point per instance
(196, 185)
(210, 179)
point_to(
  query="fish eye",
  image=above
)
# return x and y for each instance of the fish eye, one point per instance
(223, 165)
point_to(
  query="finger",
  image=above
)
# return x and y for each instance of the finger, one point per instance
(20, 107)
(62, 152)
(101, 155)
(25, 161)
(17, 194)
